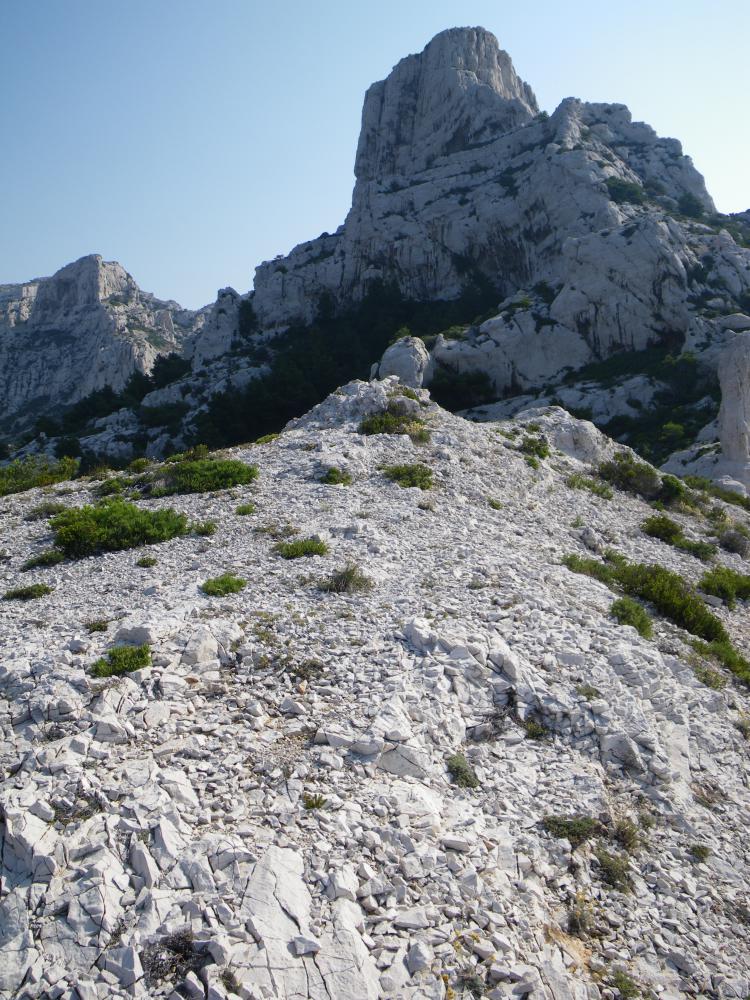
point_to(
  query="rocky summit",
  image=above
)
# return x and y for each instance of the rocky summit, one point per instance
(420, 687)
(374, 734)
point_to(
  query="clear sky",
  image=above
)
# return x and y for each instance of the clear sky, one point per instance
(191, 139)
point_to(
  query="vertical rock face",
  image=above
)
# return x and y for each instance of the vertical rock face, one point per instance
(87, 326)
(734, 416)
(460, 91)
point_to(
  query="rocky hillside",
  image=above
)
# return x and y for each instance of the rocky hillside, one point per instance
(425, 759)
(86, 327)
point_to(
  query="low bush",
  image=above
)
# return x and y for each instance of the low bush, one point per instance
(204, 528)
(614, 869)
(122, 660)
(244, 509)
(313, 800)
(301, 547)
(627, 473)
(348, 580)
(407, 476)
(48, 558)
(726, 654)
(267, 438)
(336, 477)
(579, 482)
(666, 530)
(735, 541)
(700, 853)
(139, 465)
(35, 470)
(395, 420)
(201, 476)
(27, 593)
(461, 771)
(536, 446)
(146, 562)
(725, 583)
(220, 586)
(45, 509)
(625, 192)
(576, 829)
(113, 525)
(97, 625)
(628, 612)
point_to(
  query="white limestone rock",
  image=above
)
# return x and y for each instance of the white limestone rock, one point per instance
(407, 359)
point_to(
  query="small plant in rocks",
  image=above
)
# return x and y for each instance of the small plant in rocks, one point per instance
(576, 829)
(699, 852)
(535, 730)
(349, 580)
(666, 530)
(122, 660)
(45, 509)
(726, 583)
(145, 562)
(29, 593)
(336, 477)
(461, 771)
(50, 557)
(313, 800)
(408, 476)
(220, 586)
(614, 869)
(580, 482)
(534, 446)
(139, 465)
(494, 504)
(97, 625)
(626, 834)
(395, 420)
(580, 915)
(205, 528)
(627, 988)
(203, 476)
(301, 548)
(736, 541)
(626, 611)
(627, 473)
(244, 509)
(588, 692)
(113, 525)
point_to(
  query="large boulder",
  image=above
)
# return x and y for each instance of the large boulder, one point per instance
(407, 359)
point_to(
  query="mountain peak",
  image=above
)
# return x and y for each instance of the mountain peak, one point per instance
(460, 91)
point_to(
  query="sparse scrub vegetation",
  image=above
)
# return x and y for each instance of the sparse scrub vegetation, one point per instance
(244, 509)
(534, 446)
(349, 580)
(727, 584)
(407, 476)
(666, 530)
(627, 473)
(336, 477)
(626, 611)
(204, 528)
(48, 558)
(145, 562)
(395, 420)
(301, 547)
(580, 482)
(122, 660)
(45, 509)
(220, 586)
(97, 625)
(313, 800)
(201, 476)
(576, 829)
(735, 541)
(113, 525)
(461, 771)
(614, 869)
(35, 470)
(29, 593)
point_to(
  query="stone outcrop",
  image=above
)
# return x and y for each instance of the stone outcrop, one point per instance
(407, 359)
(87, 326)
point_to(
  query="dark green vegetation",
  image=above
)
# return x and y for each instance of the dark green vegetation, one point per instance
(122, 660)
(708, 488)
(349, 580)
(614, 869)
(204, 528)
(461, 771)
(726, 584)
(48, 558)
(113, 524)
(625, 192)
(672, 597)
(35, 470)
(336, 477)
(576, 829)
(244, 509)
(27, 593)
(145, 562)
(626, 611)
(201, 476)
(309, 362)
(45, 509)
(631, 475)
(395, 420)
(410, 475)
(313, 800)
(666, 530)
(220, 586)
(534, 446)
(580, 482)
(300, 548)
(97, 625)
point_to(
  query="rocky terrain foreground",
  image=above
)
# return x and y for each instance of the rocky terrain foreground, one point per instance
(280, 806)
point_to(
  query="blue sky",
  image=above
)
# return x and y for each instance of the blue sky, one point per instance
(191, 139)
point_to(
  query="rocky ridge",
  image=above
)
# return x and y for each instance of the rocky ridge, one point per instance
(267, 810)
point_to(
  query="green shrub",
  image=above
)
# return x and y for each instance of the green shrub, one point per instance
(626, 834)
(122, 660)
(27, 593)
(348, 580)
(113, 486)
(113, 525)
(725, 653)
(700, 852)
(313, 800)
(301, 547)
(244, 509)
(690, 205)
(267, 438)
(461, 771)
(45, 509)
(139, 465)
(625, 192)
(204, 528)
(579, 482)
(535, 730)
(628, 612)
(614, 869)
(625, 986)
(48, 558)
(202, 476)
(336, 477)
(35, 470)
(220, 586)
(725, 583)
(394, 420)
(537, 447)
(145, 562)
(733, 540)
(495, 504)
(666, 530)
(627, 473)
(576, 829)
(407, 476)
(97, 625)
